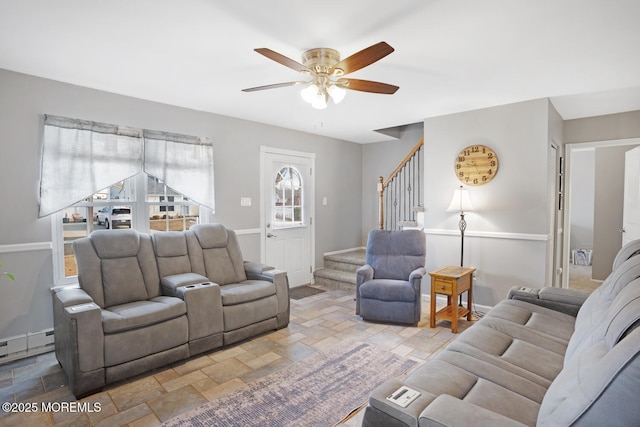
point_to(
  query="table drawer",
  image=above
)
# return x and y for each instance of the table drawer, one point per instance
(443, 286)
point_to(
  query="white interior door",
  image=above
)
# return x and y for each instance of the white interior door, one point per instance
(287, 205)
(631, 210)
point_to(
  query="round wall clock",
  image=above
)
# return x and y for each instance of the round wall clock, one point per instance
(476, 165)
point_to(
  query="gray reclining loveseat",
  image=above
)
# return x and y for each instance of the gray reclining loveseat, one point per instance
(144, 301)
(546, 357)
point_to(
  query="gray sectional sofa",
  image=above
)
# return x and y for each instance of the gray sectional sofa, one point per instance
(545, 357)
(144, 301)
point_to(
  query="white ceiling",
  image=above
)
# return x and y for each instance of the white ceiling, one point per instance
(450, 55)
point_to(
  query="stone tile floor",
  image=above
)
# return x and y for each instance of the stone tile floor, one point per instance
(317, 322)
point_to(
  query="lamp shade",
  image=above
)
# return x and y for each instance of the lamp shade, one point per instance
(337, 93)
(461, 202)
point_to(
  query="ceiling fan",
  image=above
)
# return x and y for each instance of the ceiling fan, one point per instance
(326, 69)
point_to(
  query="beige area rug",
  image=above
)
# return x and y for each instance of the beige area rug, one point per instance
(320, 390)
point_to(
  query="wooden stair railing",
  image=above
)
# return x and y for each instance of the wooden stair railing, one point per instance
(403, 194)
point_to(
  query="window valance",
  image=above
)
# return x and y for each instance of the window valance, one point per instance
(184, 163)
(81, 157)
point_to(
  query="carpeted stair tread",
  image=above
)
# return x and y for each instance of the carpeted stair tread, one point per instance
(355, 257)
(339, 270)
(341, 276)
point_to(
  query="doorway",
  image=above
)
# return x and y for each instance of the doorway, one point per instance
(596, 230)
(287, 212)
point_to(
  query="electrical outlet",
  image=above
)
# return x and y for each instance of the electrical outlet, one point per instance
(245, 201)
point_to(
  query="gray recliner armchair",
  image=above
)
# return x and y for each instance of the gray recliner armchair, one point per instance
(388, 286)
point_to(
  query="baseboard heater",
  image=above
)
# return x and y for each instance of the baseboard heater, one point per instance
(25, 345)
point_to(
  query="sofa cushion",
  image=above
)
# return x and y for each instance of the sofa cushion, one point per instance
(139, 314)
(477, 382)
(220, 267)
(388, 290)
(597, 308)
(170, 244)
(247, 291)
(122, 281)
(599, 386)
(212, 236)
(133, 344)
(530, 360)
(540, 320)
(171, 253)
(219, 256)
(624, 314)
(119, 244)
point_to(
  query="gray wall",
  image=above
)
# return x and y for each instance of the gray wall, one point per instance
(602, 128)
(380, 159)
(582, 177)
(25, 305)
(506, 237)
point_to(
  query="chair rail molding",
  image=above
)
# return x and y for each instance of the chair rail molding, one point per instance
(25, 247)
(489, 234)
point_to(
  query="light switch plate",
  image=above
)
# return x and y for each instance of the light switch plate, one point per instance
(245, 201)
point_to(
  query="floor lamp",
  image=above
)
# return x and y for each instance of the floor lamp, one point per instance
(461, 203)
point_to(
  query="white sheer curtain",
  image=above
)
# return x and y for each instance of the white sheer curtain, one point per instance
(182, 162)
(81, 157)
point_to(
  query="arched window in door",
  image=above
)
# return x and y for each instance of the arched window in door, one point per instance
(287, 198)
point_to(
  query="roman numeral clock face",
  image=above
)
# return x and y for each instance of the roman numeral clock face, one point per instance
(476, 165)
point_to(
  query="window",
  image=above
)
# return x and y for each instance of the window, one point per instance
(81, 158)
(287, 198)
(120, 206)
(168, 209)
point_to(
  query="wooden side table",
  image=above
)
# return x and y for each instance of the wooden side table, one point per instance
(451, 281)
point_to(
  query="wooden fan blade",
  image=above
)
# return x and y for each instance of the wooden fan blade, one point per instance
(273, 86)
(281, 59)
(363, 58)
(369, 86)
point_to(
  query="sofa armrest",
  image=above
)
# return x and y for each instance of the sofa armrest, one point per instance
(258, 271)
(447, 410)
(417, 274)
(566, 301)
(69, 296)
(364, 274)
(78, 325)
(255, 268)
(204, 309)
(171, 284)
(79, 339)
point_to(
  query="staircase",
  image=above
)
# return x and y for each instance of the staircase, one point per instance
(400, 195)
(339, 270)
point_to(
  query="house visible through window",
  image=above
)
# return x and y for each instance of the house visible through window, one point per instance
(168, 209)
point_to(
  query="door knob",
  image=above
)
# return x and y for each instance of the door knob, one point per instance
(271, 235)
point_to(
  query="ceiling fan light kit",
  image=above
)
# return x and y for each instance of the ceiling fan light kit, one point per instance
(324, 67)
